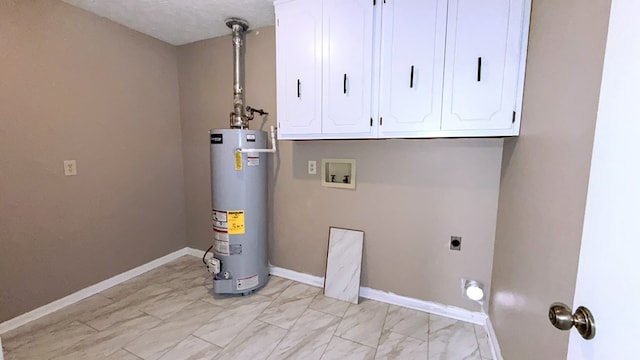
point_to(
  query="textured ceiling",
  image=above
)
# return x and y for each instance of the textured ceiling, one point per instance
(180, 21)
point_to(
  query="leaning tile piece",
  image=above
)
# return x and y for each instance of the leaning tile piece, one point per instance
(344, 263)
(363, 323)
(308, 338)
(341, 349)
(192, 348)
(451, 339)
(397, 346)
(255, 342)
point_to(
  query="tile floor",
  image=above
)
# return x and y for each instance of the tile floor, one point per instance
(169, 313)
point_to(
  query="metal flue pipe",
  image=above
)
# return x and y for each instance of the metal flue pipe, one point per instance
(238, 118)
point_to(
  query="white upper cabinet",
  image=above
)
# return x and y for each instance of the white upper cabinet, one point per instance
(349, 69)
(299, 67)
(411, 67)
(347, 66)
(482, 60)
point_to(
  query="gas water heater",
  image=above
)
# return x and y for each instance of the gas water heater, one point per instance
(239, 159)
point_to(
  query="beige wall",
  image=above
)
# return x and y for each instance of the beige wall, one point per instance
(75, 86)
(411, 194)
(545, 176)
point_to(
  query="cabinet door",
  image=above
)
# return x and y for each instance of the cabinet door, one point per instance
(299, 67)
(412, 66)
(347, 70)
(481, 64)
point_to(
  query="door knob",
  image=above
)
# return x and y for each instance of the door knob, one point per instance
(561, 317)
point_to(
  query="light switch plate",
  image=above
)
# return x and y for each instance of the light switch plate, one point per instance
(70, 168)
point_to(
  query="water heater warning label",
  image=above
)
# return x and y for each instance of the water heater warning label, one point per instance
(221, 243)
(238, 160)
(247, 283)
(236, 222)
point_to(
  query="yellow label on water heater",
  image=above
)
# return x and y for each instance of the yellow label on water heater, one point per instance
(236, 222)
(238, 160)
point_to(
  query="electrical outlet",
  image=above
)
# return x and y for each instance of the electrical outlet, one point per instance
(455, 243)
(70, 168)
(311, 167)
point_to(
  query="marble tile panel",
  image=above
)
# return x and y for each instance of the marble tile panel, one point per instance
(483, 342)
(155, 342)
(104, 343)
(165, 306)
(192, 348)
(452, 340)
(255, 342)
(398, 346)
(45, 344)
(341, 349)
(186, 278)
(308, 338)
(408, 322)
(231, 321)
(131, 286)
(329, 305)
(344, 263)
(42, 326)
(363, 323)
(122, 355)
(125, 308)
(275, 286)
(287, 308)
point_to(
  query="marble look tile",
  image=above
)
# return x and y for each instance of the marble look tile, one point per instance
(43, 345)
(329, 305)
(452, 340)
(308, 338)
(41, 327)
(155, 342)
(275, 286)
(344, 263)
(192, 348)
(397, 346)
(122, 355)
(255, 342)
(125, 308)
(341, 349)
(166, 306)
(363, 323)
(407, 322)
(107, 342)
(287, 308)
(231, 321)
(483, 342)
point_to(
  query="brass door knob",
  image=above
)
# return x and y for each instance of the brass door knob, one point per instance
(561, 317)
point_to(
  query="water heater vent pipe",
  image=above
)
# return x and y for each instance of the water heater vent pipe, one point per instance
(238, 119)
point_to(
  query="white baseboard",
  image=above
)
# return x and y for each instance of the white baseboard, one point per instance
(88, 291)
(390, 298)
(493, 341)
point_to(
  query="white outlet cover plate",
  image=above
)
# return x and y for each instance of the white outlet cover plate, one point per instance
(70, 168)
(312, 166)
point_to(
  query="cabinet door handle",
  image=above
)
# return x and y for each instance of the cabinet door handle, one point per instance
(298, 88)
(411, 81)
(344, 84)
(479, 68)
